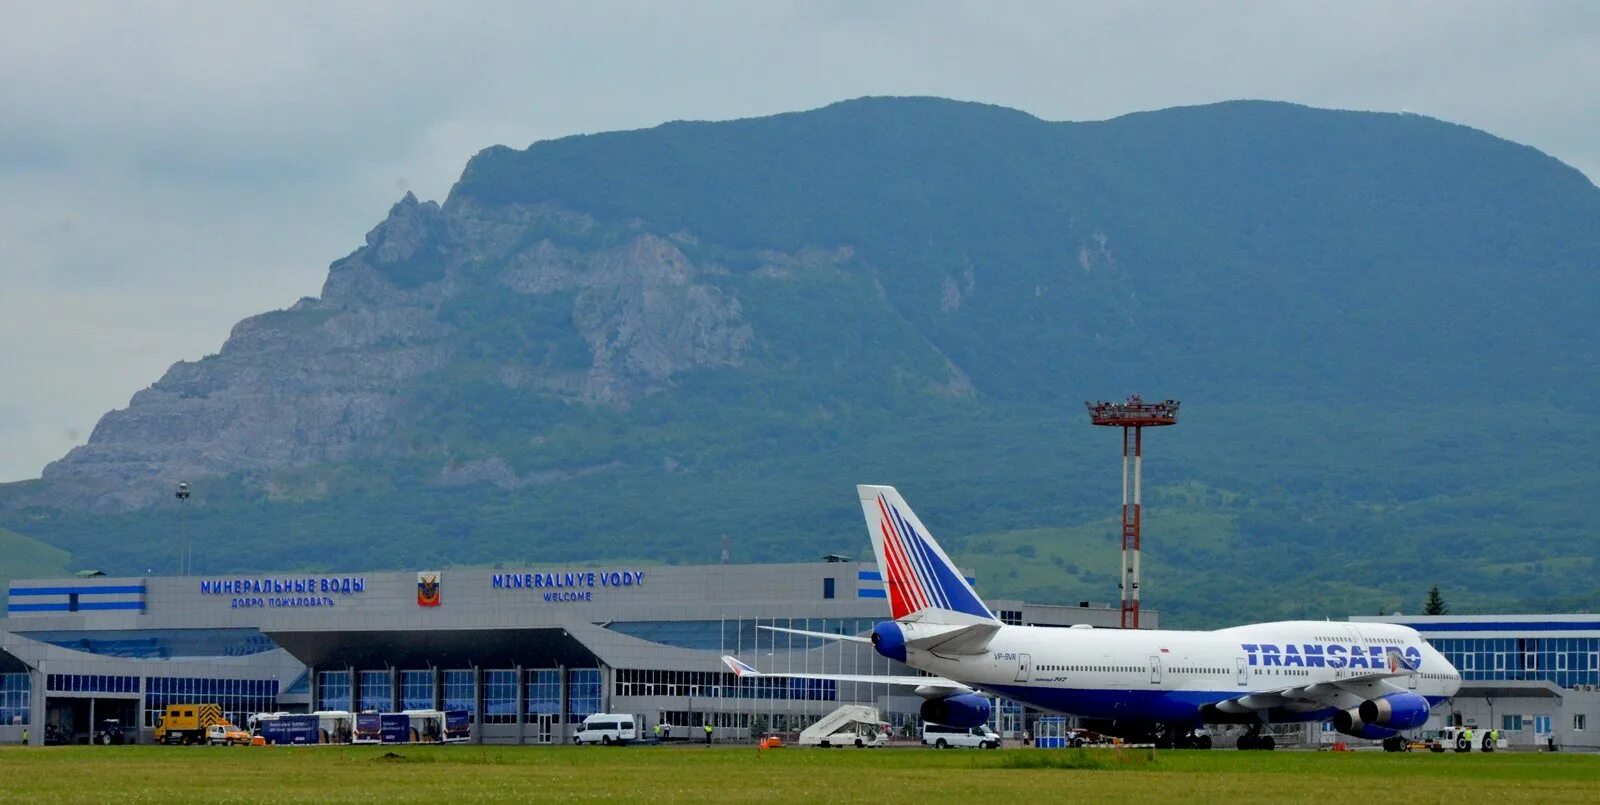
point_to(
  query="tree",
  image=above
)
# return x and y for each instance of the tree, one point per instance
(1435, 605)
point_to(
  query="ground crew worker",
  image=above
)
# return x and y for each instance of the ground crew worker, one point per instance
(1468, 735)
(657, 729)
(666, 732)
(24, 736)
(708, 734)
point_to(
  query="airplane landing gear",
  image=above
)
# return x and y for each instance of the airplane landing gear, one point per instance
(1255, 740)
(1175, 737)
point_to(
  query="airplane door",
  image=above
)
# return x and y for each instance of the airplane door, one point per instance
(1244, 673)
(1024, 666)
(1155, 669)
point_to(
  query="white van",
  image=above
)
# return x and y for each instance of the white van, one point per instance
(606, 728)
(941, 737)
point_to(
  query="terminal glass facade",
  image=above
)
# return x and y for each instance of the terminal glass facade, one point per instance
(377, 691)
(456, 691)
(416, 690)
(91, 683)
(333, 690)
(583, 692)
(500, 697)
(239, 698)
(544, 692)
(1565, 661)
(16, 690)
(714, 685)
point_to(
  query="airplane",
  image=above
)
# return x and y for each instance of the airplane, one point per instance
(1372, 680)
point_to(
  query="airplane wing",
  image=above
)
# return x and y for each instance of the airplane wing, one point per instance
(930, 687)
(938, 638)
(847, 638)
(1342, 693)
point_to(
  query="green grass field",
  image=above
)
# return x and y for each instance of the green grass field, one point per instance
(741, 774)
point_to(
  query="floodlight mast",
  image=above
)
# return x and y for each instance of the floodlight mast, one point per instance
(1133, 417)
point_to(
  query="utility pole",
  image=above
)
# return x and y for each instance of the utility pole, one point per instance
(183, 528)
(1133, 417)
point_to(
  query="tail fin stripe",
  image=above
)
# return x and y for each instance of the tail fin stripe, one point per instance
(900, 601)
(924, 568)
(899, 566)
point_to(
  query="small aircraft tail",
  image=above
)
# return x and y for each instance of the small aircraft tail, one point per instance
(918, 577)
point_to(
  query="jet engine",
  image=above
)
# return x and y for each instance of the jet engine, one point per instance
(966, 710)
(1397, 711)
(1349, 722)
(890, 642)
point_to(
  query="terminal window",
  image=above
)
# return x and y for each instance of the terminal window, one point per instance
(333, 690)
(15, 692)
(416, 690)
(500, 697)
(456, 689)
(377, 691)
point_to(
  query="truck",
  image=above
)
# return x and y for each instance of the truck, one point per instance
(186, 723)
(851, 725)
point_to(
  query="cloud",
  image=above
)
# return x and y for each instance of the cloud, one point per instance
(168, 168)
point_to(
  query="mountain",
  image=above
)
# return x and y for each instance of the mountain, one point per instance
(628, 345)
(27, 558)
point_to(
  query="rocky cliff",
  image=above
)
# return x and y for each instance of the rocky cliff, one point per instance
(634, 343)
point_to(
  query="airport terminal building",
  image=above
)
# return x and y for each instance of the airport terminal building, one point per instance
(1536, 678)
(528, 652)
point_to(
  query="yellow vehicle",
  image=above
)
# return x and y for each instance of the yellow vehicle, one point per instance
(187, 723)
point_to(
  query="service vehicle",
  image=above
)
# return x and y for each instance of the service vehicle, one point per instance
(457, 726)
(110, 732)
(289, 729)
(334, 726)
(426, 726)
(226, 735)
(368, 728)
(940, 736)
(851, 725)
(254, 722)
(54, 735)
(186, 723)
(1455, 738)
(606, 728)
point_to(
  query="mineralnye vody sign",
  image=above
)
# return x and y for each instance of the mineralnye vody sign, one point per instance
(310, 591)
(568, 585)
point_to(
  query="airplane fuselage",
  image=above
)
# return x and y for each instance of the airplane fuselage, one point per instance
(1183, 677)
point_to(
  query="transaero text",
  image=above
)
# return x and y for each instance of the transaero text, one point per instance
(568, 585)
(1322, 655)
(311, 591)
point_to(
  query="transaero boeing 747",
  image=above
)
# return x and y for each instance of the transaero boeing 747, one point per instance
(1372, 681)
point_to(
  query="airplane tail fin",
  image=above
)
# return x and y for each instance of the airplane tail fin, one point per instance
(917, 575)
(1399, 663)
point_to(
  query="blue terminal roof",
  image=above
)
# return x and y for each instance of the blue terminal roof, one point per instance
(158, 644)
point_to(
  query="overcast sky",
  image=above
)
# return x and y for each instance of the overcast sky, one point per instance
(167, 169)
